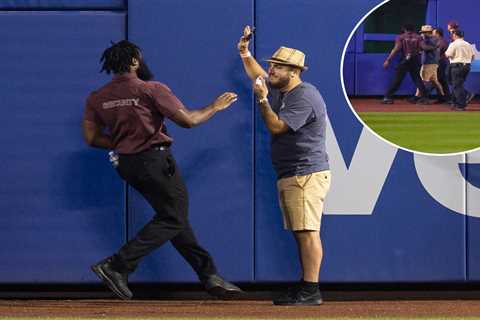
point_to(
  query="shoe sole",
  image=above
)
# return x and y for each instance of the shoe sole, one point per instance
(99, 272)
(224, 294)
(311, 303)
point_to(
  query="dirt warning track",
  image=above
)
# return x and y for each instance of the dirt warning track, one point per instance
(253, 309)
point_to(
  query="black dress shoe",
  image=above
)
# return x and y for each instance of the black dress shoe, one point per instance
(218, 287)
(116, 281)
(299, 297)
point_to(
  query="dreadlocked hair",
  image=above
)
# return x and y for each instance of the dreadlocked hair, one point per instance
(118, 58)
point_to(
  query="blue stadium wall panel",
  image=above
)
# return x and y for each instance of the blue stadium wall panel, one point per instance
(61, 202)
(62, 4)
(467, 19)
(390, 216)
(349, 73)
(406, 235)
(372, 79)
(473, 204)
(196, 57)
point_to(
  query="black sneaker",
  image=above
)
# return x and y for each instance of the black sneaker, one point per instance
(423, 101)
(413, 99)
(218, 287)
(458, 108)
(387, 101)
(299, 297)
(116, 281)
(470, 97)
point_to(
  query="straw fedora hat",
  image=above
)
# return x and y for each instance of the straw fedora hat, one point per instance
(290, 57)
(426, 28)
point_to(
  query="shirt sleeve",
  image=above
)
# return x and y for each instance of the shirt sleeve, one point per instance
(164, 99)
(90, 114)
(450, 50)
(472, 50)
(399, 42)
(296, 114)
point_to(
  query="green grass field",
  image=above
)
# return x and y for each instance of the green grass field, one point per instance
(432, 132)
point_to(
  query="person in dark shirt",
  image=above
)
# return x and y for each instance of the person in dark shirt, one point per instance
(408, 44)
(442, 64)
(127, 115)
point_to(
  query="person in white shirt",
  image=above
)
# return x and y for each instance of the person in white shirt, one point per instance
(461, 54)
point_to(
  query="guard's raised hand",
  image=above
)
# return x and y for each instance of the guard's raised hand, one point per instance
(224, 101)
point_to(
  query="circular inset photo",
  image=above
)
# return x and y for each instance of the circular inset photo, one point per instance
(411, 72)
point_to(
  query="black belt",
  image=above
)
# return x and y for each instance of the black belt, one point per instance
(160, 147)
(459, 64)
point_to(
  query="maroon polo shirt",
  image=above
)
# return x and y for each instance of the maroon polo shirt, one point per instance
(409, 43)
(133, 112)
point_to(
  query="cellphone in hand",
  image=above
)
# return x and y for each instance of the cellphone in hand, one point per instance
(249, 36)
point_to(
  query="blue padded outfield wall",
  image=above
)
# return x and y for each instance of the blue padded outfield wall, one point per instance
(391, 216)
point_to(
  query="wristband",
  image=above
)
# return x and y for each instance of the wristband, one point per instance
(263, 100)
(246, 54)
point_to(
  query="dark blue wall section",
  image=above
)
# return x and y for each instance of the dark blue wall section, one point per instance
(61, 203)
(392, 244)
(62, 4)
(349, 73)
(473, 204)
(372, 79)
(408, 237)
(191, 46)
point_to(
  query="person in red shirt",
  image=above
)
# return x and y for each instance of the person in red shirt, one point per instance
(452, 26)
(127, 115)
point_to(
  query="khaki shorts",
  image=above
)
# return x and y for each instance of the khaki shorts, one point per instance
(428, 72)
(301, 200)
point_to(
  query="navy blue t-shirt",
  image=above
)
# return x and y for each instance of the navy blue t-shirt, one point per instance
(431, 56)
(300, 150)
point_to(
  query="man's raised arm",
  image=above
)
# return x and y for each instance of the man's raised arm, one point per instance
(253, 69)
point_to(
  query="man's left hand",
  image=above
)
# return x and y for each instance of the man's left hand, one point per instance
(260, 88)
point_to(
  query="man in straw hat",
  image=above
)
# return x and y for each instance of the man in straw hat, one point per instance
(430, 61)
(295, 114)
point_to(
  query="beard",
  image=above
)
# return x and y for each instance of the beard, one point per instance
(143, 72)
(280, 83)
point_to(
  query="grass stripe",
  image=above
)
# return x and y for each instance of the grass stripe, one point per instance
(434, 132)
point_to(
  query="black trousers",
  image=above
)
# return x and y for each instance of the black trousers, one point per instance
(458, 74)
(443, 75)
(411, 66)
(154, 173)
